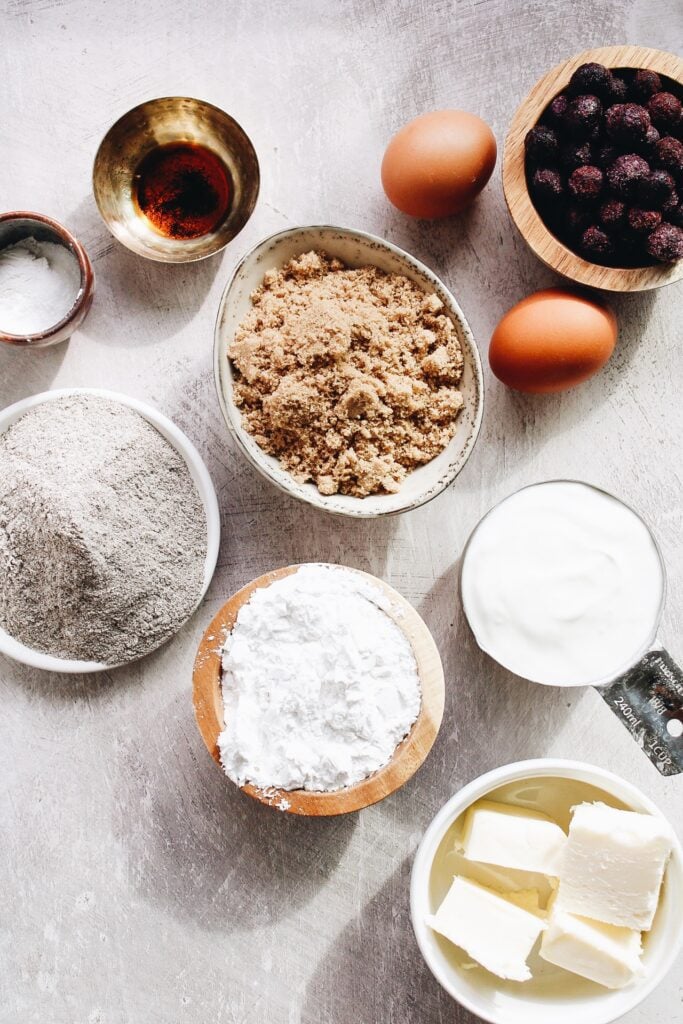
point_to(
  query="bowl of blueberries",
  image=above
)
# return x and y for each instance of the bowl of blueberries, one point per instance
(593, 168)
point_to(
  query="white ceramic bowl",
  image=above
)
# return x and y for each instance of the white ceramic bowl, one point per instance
(355, 248)
(502, 1002)
(200, 474)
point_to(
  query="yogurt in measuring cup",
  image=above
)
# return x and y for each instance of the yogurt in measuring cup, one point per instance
(563, 584)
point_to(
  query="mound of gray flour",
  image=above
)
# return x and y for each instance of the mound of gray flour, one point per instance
(103, 534)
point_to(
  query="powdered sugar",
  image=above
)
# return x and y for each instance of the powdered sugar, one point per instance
(319, 684)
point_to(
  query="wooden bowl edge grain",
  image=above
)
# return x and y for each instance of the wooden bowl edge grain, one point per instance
(528, 222)
(407, 757)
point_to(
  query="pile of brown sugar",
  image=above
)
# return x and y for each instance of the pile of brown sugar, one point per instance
(347, 376)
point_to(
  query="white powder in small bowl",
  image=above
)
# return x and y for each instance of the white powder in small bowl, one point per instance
(319, 684)
(39, 283)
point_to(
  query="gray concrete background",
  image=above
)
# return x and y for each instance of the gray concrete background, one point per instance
(137, 885)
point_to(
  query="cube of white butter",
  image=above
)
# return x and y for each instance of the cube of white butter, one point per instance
(513, 837)
(600, 952)
(613, 865)
(491, 929)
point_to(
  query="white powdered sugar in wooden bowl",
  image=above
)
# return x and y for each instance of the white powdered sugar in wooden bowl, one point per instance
(320, 684)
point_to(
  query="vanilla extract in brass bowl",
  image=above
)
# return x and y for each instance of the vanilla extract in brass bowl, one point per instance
(176, 179)
(408, 755)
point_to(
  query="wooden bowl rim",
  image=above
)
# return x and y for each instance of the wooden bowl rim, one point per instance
(543, 243)
(409, 754)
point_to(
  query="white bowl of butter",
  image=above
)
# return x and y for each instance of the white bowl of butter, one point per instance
(525, 924)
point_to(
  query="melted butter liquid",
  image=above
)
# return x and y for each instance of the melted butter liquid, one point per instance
(555, 797)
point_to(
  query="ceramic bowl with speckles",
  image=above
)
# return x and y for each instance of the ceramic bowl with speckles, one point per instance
(355, 249)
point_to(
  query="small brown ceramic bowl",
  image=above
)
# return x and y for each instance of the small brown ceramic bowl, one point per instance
(409, 754)
(157, 123)
(540, 238)
(21, 224)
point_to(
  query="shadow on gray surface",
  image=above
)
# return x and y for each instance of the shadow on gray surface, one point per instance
(160, 299)
(491, 717)
(199, 848)
(25, 372)
(374, 971)
(56, 687)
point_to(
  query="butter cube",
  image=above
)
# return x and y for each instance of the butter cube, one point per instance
(491, 929)
(613, 865)
(600, 952)
(513, 837)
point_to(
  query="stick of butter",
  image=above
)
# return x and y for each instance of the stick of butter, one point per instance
(513, 837)
(600, 952)
(491, 929)
(613, 865)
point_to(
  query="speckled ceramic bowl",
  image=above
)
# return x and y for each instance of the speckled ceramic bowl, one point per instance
(357, 249)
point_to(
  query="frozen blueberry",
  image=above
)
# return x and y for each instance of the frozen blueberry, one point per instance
(575, 154)
(596, 242)
(616, 91)
(583, 115)
(645, 84)
(557, 109)
(542, 146)
(643, 221)
(547, 185)
(647, 146)
(612, 213)
(665, 111)
(589, 78)
(669, 155)
(654, 190)
(665, 243)
(585, 183)
(627, 123)
(625, 173)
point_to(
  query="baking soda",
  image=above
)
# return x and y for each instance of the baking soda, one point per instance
(39, 283)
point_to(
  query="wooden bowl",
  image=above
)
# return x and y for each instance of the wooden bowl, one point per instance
(538, 237)
(409, 754)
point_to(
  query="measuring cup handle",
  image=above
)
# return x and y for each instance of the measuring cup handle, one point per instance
(648, 699)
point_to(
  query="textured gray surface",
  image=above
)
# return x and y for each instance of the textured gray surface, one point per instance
(138, 887)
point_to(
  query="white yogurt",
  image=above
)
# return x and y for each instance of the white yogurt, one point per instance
(563, 584)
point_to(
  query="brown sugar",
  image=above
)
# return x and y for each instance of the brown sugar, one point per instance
(348, 376)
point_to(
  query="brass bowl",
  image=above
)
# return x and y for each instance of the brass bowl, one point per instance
(157, 123)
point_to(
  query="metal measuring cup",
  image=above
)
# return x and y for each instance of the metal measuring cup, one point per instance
(647, 693)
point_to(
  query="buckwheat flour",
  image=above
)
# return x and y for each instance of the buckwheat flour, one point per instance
(103, 534)
(348, 376)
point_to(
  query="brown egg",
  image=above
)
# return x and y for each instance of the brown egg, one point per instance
(552, 340)
(439, 163)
